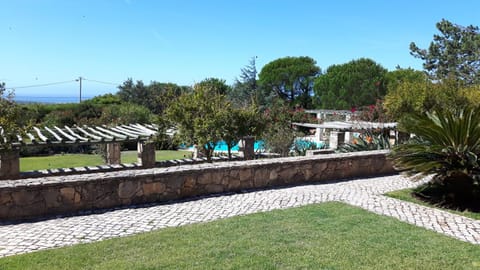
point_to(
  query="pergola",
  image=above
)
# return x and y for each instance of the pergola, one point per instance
(112, 136)
(340, 130)
(350, 125)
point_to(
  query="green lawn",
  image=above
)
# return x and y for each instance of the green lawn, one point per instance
(81, 160)
(406, 195)
(325, 236)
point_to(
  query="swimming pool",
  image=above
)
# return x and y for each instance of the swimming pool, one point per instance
(222, 147)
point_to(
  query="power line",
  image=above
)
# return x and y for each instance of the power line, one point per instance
(90, 80)
(38, 85)
(53, 96)
(57, 83)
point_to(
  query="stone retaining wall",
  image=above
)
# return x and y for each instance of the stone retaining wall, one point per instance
(38, 197)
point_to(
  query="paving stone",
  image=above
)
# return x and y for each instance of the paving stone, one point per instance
(364, 193)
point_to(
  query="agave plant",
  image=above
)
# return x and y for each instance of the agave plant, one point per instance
(366, 142)
(447, 146)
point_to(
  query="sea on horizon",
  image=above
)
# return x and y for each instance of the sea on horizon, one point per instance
(48, 99)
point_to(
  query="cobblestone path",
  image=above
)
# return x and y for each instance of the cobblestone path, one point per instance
(364, 193)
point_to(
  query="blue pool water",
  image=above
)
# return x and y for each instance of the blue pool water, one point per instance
(259, 146)
(222, 146)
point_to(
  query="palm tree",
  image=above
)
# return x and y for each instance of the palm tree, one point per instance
(447, 146)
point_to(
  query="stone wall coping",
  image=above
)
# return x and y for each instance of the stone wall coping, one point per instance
(77, 178)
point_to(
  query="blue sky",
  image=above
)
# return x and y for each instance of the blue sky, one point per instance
(48, 41)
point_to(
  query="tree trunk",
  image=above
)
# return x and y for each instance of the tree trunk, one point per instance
(229, 150)
(208, 154)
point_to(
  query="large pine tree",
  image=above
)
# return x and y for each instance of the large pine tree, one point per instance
(453, 54)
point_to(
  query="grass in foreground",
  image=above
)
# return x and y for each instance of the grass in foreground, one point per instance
(406, 195)
(82, 160)
(324, 236)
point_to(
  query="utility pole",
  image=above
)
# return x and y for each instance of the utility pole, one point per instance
(80, 80)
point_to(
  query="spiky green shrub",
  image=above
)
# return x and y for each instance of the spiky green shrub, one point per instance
(367, 141)
(300, 147)
(447, 146)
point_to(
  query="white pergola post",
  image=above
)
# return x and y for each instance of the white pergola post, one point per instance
(318, 134)
(337, 138)
(348, 137)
